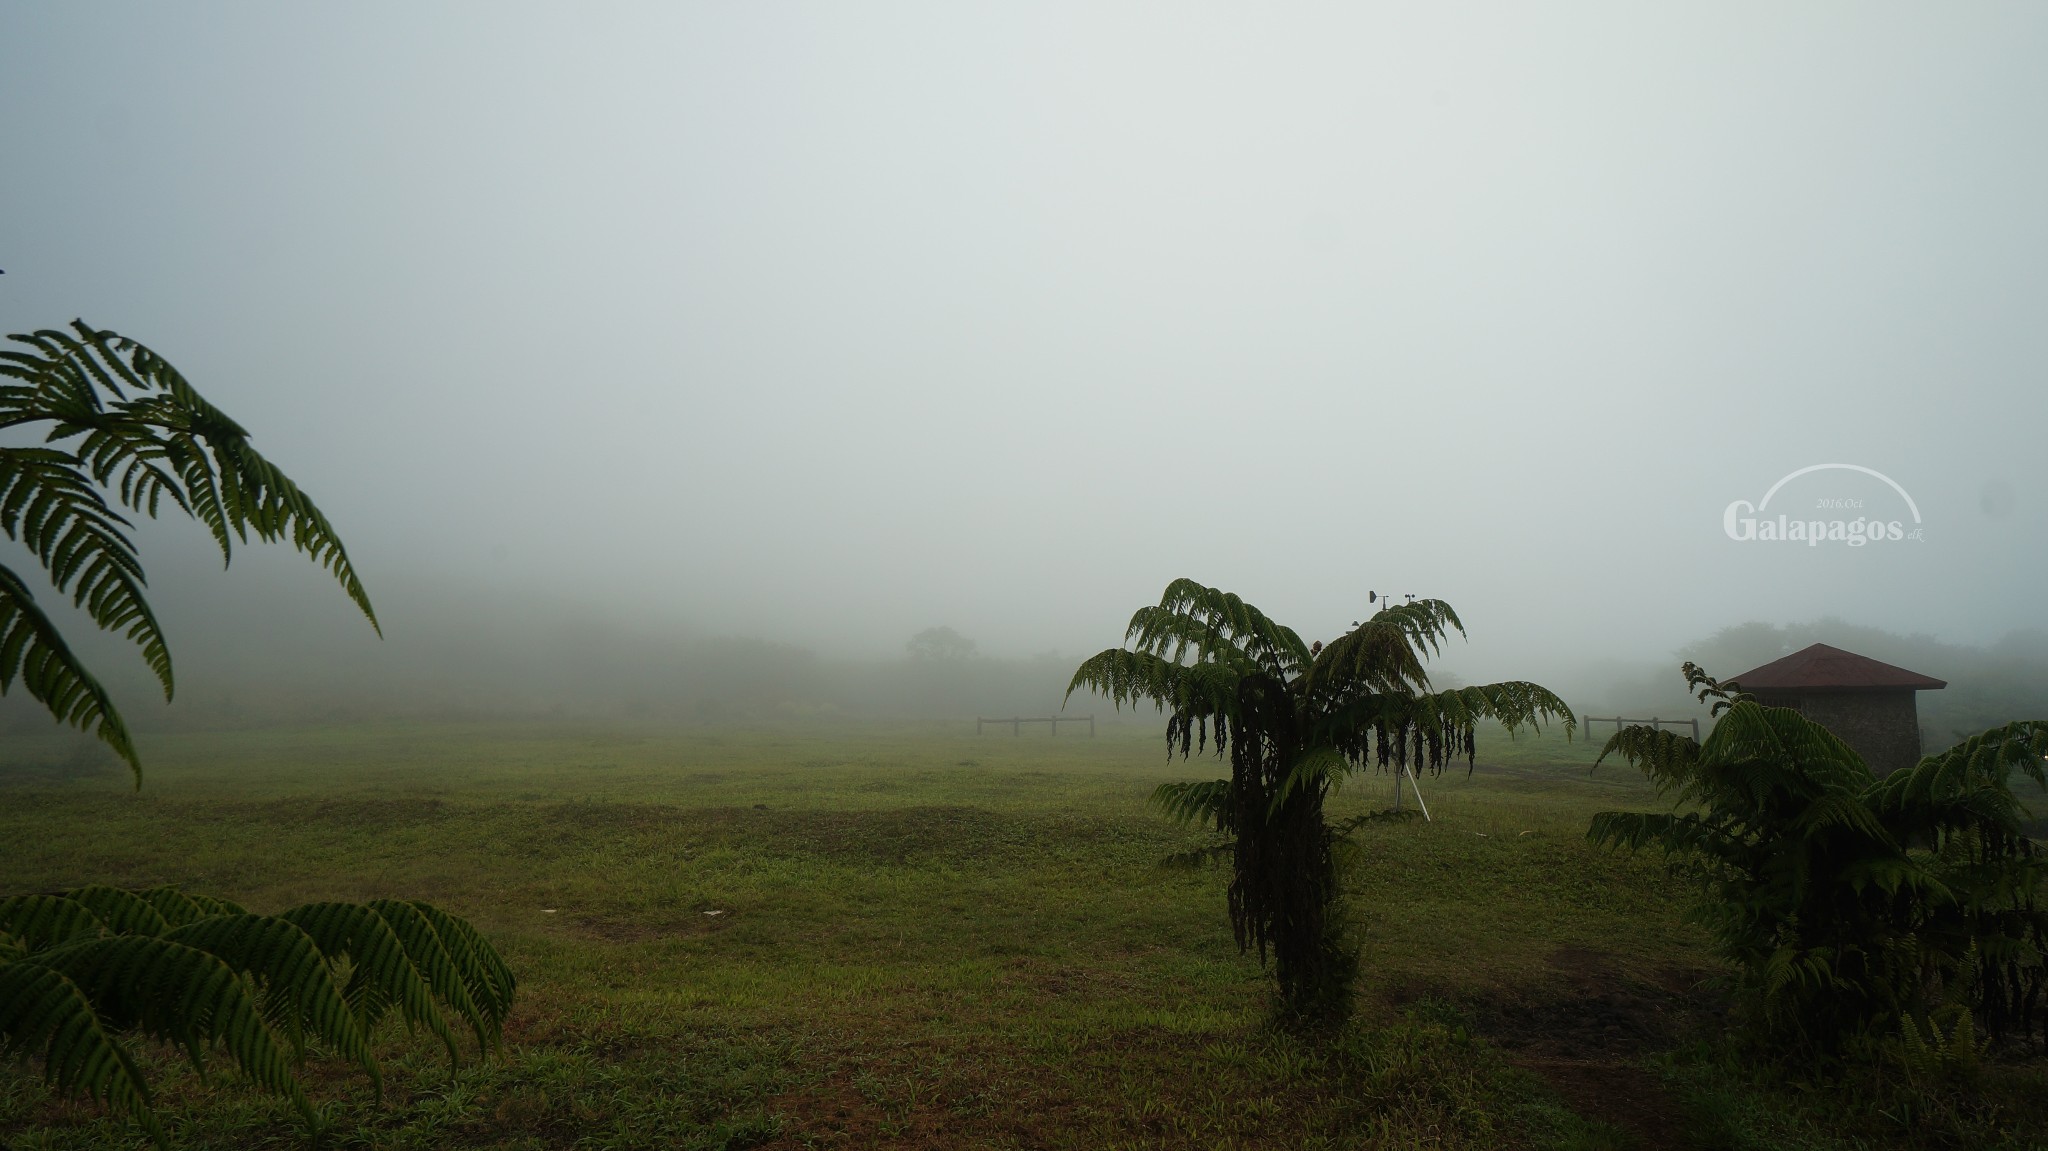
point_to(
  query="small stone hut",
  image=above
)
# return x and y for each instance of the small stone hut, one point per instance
(1867, 704)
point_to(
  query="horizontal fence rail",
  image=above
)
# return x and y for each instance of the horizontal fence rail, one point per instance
(1620, 722)
(1017, 722)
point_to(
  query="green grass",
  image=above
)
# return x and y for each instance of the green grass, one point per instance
(875, 935)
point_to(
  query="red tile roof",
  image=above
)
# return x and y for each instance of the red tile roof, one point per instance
(1821, 666)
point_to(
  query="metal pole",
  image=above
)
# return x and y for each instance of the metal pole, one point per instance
(1417, 785)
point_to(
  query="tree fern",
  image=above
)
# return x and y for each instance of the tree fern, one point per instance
(78, 971)
(1850, 904)
(1295, 719)
(119, 421)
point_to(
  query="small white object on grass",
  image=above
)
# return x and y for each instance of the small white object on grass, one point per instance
(547, 911)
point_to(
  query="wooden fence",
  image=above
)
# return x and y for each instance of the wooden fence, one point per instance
(1017, 722)
(1660, 724)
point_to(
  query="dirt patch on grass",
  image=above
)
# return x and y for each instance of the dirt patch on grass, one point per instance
(638, 928)
(918, 1098)
(1587, 1029)
(1621, 1095)
(355, 814)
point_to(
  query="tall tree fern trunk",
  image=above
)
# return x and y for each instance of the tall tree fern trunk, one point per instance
(1284, 897)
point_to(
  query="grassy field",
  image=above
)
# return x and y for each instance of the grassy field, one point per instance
(910, 936)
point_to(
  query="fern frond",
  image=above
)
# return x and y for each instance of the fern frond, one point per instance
(1319, 769)
(1988, 759)
(179, 908)
(48, 505)
(1665, 757)
(121, 419)
(1674, 834)
(43, 1014)
(1196, 802)
(1131, 677)
(1514, 704)
(1706, 687)
(441, 967)
(1426, 622)
(298, 986)
(179, 993)
(382, 974)
(1376, 657)
(123, 912)
(32, 649)
(1215, 626)
(1749, 732)
(36, 922)
(483, 972)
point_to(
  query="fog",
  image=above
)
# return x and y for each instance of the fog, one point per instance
(644, 353)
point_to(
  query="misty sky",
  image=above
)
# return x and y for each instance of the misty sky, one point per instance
(828, 322)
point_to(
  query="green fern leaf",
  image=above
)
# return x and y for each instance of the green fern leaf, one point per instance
(382, 974)
(179, 993)
(32, 649)
(36, 922)
(483, 972)
(432, 958)
(1201, 802)
(297, 984)
(45, 1015)
(123, 912)
(120, 419)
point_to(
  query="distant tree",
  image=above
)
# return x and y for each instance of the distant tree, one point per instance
(1296, 719)
(939, 643)
(121, 422)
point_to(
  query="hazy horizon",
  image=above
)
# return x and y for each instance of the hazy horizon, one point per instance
(823, 325)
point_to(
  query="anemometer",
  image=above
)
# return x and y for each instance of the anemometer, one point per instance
(1372, 597)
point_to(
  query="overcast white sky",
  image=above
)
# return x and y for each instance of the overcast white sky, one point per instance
(828, 322)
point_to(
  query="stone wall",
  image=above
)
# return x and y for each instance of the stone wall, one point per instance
(1883, 726)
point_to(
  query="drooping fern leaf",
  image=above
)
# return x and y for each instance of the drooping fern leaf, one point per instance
(483, 973)
(79, 969)
(180, 908)
(182, 994)
(382, 974)
(32, 650)
(120, 421)
(36, 922)
(123, 912)
(431, 957)
(295, 979)
(1198, 802)
(44, 1015)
